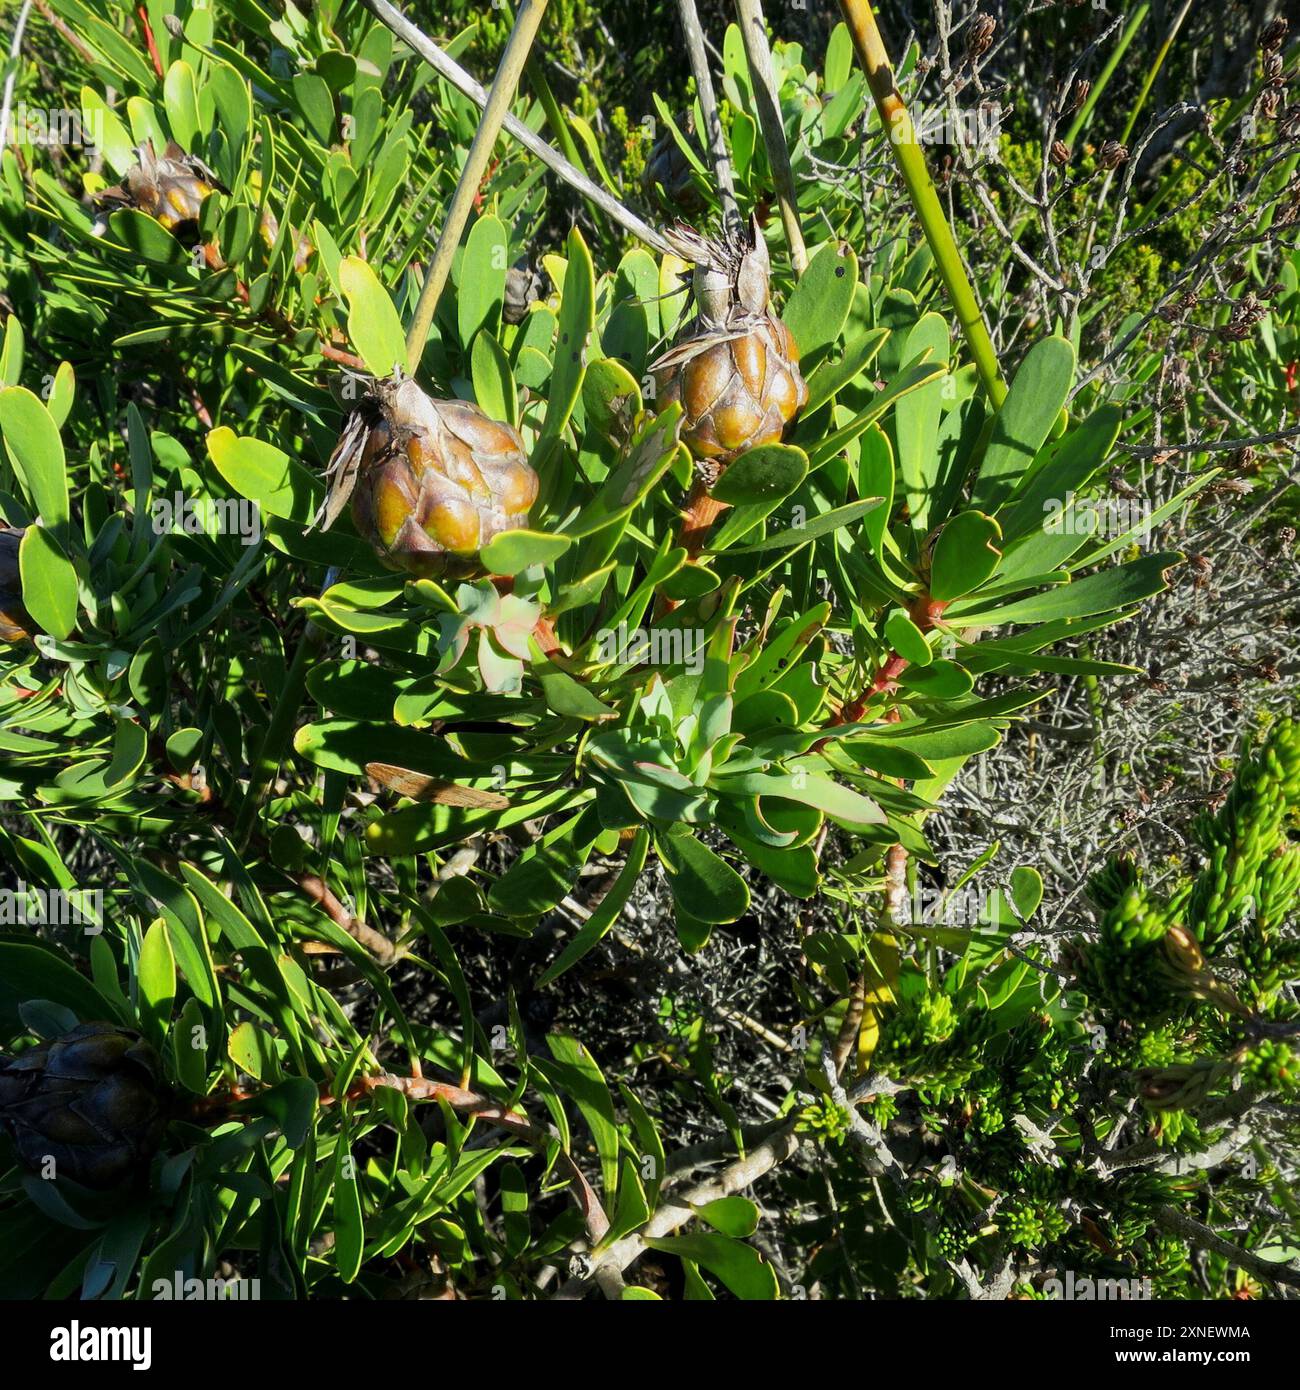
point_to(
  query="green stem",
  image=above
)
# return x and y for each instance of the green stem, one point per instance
(554, 112)
(1135, 22)
(753, 31)
(897, 123)
(1154, 72)
(502, 93)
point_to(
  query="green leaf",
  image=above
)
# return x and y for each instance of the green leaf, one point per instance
(312, 94)
(916, 421)
(577, 317)
(833, 376)
(740, 1267)
(821, 525)
(63, 392)
(33, 970)
(156, 978)
(633, 1211)
(348, 1226)
(36, 451)
(1033, 405)
(610, 397)
(189, 1055)
(607, 911)
(482, 286)
(373, 324)
(907, 639)
(941, 680)
(146, 239)
(645, 458)
(1110, 590)
(563, 694)
(49, 582)
(494, 382)
(736, 1217)
(575, 1071)
(819, 304)
(762, 475)
(512, 552)
(292, 1103)
(703, 884)
(114, 139)
(912, 378)
(251, 1049)
(1026, 890)
(11, 354)
(964, 555)
(1071, 464)
(183, 748)
(181, 102)
(266, 475)
(839, 802)
(546, 872)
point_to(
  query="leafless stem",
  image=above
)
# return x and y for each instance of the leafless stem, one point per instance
(709, 109)
(753, 30)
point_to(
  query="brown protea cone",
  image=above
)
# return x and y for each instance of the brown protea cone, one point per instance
(90, 1106)
(15, 622)
(170, 189)
(736, 369)
(431, 481)
(669, 173)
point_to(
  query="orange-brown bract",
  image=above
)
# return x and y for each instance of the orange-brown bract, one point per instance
(169, 188)
(434, 480)
(736, 371)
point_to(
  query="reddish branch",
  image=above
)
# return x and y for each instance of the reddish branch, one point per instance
(702, 510)
(68, 36)
(925, 612)
(142, 18)
(386, 951)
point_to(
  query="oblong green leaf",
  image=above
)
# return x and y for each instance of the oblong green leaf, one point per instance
(702, 882)
(819, 304)
(35, 449)
(373, 325)
(1033, 405)
(49, 582)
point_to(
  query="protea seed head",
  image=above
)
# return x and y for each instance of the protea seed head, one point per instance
(431, 481)
(90, 1106)
(669, 172)
(736, 369)
(170, 188)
